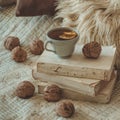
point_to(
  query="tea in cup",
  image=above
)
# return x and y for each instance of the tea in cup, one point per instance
(63, 40)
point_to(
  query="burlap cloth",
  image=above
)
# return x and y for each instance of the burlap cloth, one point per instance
(11, 73)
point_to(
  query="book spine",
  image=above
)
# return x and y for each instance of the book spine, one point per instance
(74, 71)
(88, 87)
(71, 94)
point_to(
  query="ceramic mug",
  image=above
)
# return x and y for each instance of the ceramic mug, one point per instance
(62, 47)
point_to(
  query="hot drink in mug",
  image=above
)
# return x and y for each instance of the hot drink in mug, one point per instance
(63, 40)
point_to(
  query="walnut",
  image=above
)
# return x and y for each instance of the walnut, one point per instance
(25, 89)
(52, 93)
(65, 108)
(37, 47)
(19, 54)
(11, 42)
(92, 50)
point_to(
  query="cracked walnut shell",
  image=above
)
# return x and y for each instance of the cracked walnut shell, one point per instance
(92, 50)
(11, 42)
(25, 89)
(37, 47)
(65, 108)
(52, 93)
(19, 54)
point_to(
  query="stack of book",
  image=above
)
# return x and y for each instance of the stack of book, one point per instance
(80, 78)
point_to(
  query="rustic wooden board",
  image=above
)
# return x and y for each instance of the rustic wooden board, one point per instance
(103, 96)
(82, 85)
(78, 65)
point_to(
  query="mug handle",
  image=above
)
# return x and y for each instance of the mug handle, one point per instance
(49, 42)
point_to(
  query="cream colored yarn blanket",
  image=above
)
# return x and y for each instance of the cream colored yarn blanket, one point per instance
(12, 73)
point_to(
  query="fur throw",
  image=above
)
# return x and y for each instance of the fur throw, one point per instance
(96, 20)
